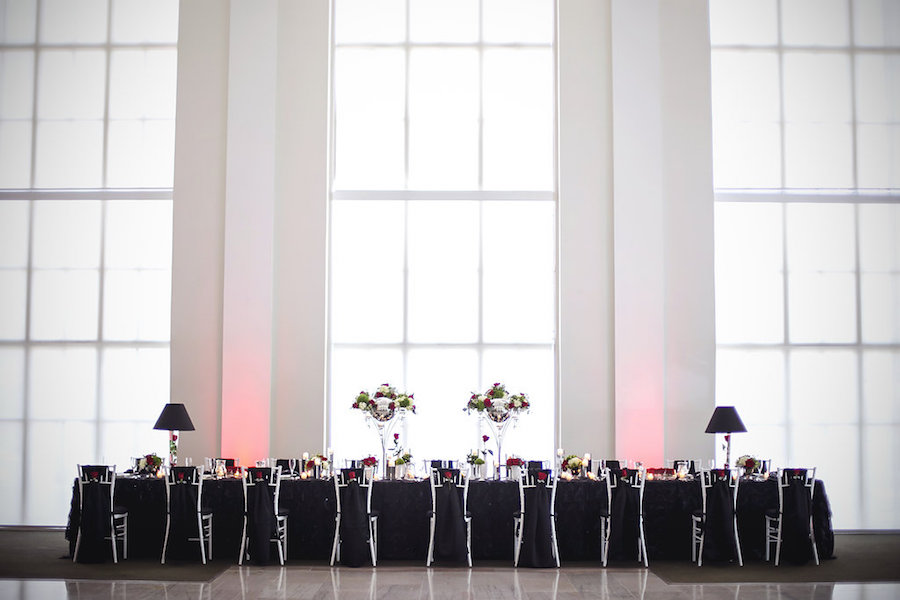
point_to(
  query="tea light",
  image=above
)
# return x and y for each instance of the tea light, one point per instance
(304, 474)
(160, 474)
(649, 476)
(591, 475)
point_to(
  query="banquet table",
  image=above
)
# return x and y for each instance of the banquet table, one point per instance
(403, 518)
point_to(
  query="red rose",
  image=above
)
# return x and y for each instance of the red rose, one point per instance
(448, 475)
(485, 438)
(391, 406)
(487, 402)
(351, 475)
(396, 436)
(542, 476)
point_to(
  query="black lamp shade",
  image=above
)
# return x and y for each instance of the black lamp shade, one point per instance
(725, 419)
(174, 417)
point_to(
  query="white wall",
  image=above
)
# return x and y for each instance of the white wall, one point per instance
(248, 313)
(636, 340)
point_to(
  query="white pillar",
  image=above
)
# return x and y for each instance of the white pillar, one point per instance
(249, 225)
(665, 320)
(199, 221)
(586, 417)
(249, 312)
(637, 345)
(301, 226)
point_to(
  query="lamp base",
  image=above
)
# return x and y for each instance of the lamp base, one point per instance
(173, 449)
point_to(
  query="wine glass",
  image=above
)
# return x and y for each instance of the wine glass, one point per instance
(292, 464)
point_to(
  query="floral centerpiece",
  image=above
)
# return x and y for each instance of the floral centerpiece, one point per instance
(497, 403)
(149, 464)
(370, 461)
(316, 460)
(384, 409)
(571, 463)
(749, 463)
(499, 409)
(384, 403)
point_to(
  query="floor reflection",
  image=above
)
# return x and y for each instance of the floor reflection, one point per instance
(401, 583)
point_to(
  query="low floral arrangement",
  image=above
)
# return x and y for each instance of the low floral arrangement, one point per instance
(497, 403)
(513, 461)
(315, 460)
(474, 458)
(370, 461)
(149, 464)
(477, 457)
(748, 462)
(403, 459)
(571, 463)
(384, 403)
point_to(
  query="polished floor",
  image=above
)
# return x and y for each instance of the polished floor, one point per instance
(401, 583)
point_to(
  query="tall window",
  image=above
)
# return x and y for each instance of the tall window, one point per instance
(443, 215)
(87, 103)
(806, 111)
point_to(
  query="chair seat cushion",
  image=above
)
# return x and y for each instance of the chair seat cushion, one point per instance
(120, 510)
(772, 513)
(206, 512)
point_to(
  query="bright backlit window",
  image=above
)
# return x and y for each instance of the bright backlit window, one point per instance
(443, 216)
(87, 119)
(806, 113)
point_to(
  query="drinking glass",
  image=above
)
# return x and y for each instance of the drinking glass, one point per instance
(292, 463)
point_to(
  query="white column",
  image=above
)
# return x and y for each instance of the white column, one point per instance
(249, 223)
(198, 221)
(636, 337)
(586, 417)
(665, 337)
(688, 186)
(639, 231)
(301, 225)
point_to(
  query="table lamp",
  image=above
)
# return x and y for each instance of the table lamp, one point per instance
(174, 418)
(725, 419)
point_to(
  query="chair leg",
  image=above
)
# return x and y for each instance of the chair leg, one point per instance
(517, 541)
(812, 540)
(700, 548)
(200, 537)
(210, 542)
(555, 546)
(77, 544)
(642, 543)
(162, 560)
(430, 558)
(243, 542)
(112, 535)
(778, 542)
(337, 534)
(469, 541)
(373, 540)
(737, 544)
(604, 541)
(125, 538)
